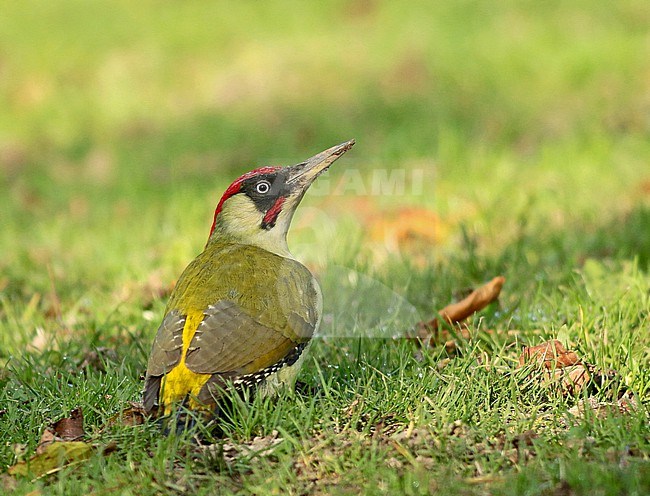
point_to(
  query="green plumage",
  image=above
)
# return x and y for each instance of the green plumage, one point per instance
(255, 308)
(269, 288)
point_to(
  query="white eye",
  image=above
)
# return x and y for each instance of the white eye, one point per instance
(263, 187)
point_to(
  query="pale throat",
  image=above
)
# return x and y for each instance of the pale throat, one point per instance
(240, 221)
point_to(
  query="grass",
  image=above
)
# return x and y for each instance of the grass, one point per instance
(121, 125)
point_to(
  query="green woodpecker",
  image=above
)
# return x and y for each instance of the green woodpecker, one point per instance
(244, 311)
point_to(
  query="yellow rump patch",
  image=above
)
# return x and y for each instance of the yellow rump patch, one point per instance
(180, 382)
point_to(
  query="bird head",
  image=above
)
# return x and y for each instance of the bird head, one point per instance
(257, 208)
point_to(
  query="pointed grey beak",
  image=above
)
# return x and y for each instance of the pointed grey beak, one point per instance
(304, 173)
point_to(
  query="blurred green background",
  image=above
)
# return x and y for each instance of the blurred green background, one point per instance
(122, 122)
(521, 130)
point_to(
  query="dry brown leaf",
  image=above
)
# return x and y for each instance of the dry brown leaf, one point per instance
(550, 354)
(60, 446)
(571, 379)
(430, 334)
(561, 367)
(477, 300)
(557, 366)
(66, 429)
(70, 428)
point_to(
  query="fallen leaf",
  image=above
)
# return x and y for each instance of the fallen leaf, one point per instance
(477, 300)
(550, 354)
(558, 366)
(53, 458)
(430, 333)
(571, 379)
(66, 429)
(70, 428)
(59, 446)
